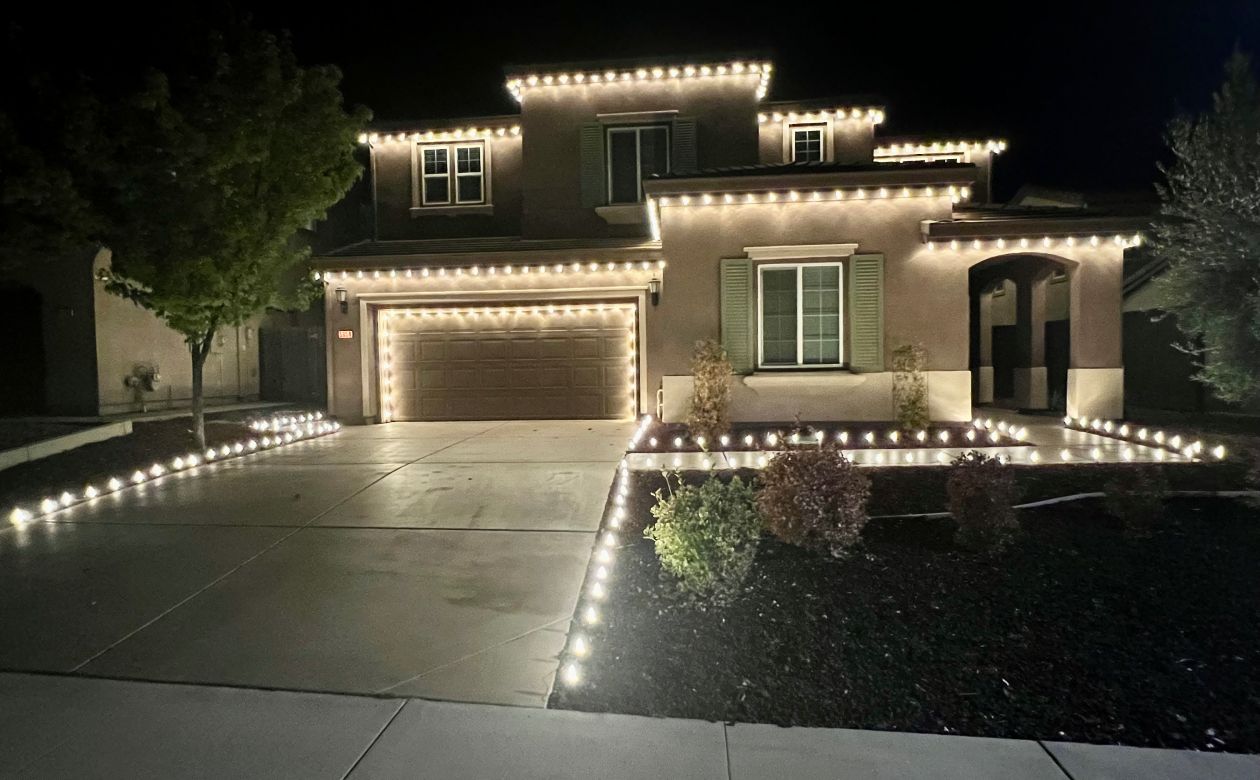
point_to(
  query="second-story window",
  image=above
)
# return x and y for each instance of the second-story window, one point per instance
(633, 154)
(452, 174)
(807, 143)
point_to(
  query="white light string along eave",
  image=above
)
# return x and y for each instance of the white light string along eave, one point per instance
(489, 270)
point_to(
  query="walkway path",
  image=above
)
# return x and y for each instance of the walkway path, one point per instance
(67, 727)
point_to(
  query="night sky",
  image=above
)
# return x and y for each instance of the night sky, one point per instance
(1081, 91)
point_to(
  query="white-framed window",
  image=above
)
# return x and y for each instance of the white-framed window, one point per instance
(633, 154)
(451, 174)
(800, 315)
(809, 143)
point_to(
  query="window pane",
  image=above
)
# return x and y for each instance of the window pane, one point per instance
(820, 314)
(469, 189)
(654, 150)
(468, 160)
(807, 145)
(624, 166)
(435, 161)
(436, 189)
(778, 316)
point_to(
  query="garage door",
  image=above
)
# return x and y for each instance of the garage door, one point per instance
(508, 362)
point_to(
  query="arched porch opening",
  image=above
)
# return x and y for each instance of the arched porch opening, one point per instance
(1020, 331)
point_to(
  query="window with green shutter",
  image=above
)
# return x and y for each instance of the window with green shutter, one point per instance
(737, 313)
(866, 313)
(591, 148)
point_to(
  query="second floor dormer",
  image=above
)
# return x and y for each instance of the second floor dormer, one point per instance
(572, 162)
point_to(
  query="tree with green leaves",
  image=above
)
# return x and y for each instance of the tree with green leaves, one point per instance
(203, 178)
(1208, 233)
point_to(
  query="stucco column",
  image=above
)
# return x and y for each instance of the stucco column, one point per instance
(1095, 361)
(1030, 332)
(984, 371)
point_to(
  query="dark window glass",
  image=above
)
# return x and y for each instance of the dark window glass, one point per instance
(653, 151)
(436, 189)
(807, 145)
(623, 166)
(435, 161)
(778, 316)
(469, 189)
(468, 160)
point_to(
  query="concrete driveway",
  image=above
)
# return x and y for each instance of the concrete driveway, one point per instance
(421, 559)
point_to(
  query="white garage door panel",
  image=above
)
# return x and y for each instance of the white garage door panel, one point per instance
(512, 365)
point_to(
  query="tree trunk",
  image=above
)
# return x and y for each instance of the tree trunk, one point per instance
(199, 352)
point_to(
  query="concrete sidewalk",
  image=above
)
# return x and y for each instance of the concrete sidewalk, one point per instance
(73, 727)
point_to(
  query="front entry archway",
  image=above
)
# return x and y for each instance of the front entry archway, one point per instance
(1020, 331)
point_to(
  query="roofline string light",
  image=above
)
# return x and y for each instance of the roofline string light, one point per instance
(931, 150)
(1150, 437)
(440, 272)
(874, 115)
(276, 431)
(460, 134)
(595, 587)
(1122, 240)
(518, 84)
(387, 315)
(954, 193)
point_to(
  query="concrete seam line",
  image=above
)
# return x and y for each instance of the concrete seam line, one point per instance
(726, 742)
(1081, 497)
(473, 654)
(223, 576)
(1056, 761)
(375, 739)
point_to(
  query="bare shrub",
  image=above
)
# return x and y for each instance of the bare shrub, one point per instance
(982, 496)
(814, 498)
(910, 392)
(709, 415)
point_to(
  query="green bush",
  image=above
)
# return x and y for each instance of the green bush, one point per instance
(814, 498)
(982, 496)
(707, 536)
(1135, 496)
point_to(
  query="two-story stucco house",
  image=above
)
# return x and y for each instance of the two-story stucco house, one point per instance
(563, 261)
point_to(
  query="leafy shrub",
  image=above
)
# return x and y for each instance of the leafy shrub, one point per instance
(709, 412)
(1135, 496)
(707, 536)
(814, 498)
(982, 495)
(910, 394)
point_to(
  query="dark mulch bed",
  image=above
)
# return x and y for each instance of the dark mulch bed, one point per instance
(911, 489)
(673, 437)
(1077, 632)
(27, 483)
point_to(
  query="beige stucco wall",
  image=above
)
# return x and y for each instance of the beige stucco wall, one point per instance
(849, 140)
(127, 335)
(725, 110)
(394, 189)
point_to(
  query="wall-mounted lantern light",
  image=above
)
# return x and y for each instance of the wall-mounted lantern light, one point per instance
(341, 299)
(654, 287)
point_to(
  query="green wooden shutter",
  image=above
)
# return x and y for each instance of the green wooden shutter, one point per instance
(683, 151)
(737, 314)
(594, 187)
(866, 313)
